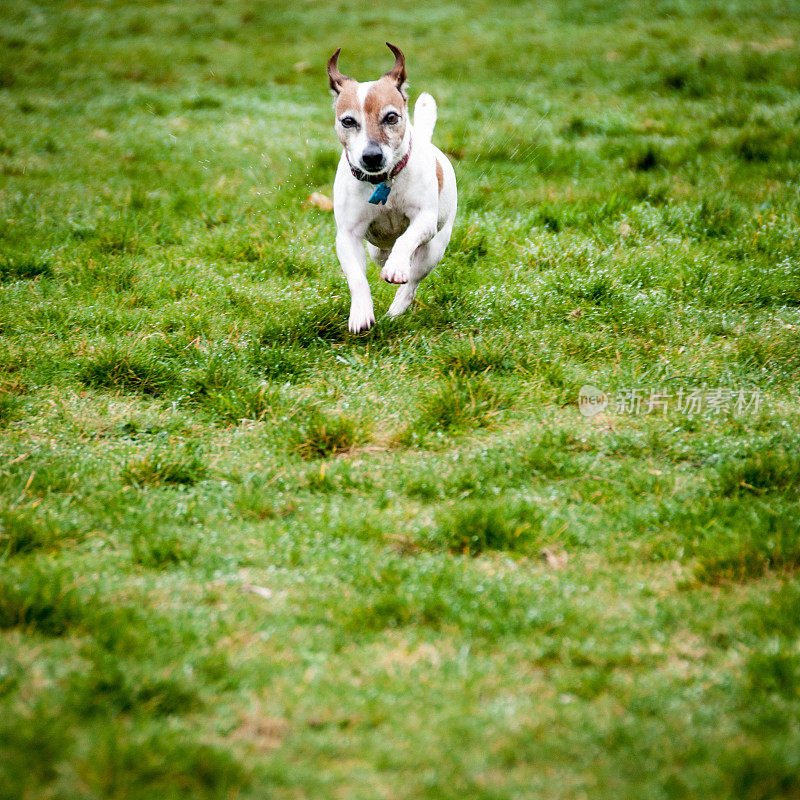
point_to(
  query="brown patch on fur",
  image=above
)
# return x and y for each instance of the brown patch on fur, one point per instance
(347, 97)
(439, 175)
(383, 93)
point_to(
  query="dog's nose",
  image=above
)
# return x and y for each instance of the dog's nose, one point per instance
(372, 157)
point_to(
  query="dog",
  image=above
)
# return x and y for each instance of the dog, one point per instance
(393, 187)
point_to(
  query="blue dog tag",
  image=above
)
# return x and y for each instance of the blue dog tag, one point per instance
(380, 195)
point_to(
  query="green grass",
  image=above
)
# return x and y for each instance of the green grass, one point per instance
(246, 554)
(164, 466)
(476, 527)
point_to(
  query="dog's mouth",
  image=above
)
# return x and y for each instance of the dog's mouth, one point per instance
(372, 160)
(372, 170)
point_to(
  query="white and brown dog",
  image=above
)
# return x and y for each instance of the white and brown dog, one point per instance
(392, 187)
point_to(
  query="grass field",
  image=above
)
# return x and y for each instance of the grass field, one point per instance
(244, 554)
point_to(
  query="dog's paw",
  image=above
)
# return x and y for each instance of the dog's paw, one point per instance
(362, 316)
(393, 272)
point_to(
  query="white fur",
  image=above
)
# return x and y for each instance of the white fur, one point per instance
(408, 257)
(425, 116)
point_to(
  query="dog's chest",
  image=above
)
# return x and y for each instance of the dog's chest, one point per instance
(386, 227)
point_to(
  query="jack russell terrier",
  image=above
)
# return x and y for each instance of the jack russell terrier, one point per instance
(392, 187)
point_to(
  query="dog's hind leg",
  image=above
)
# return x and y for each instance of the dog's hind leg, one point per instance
(425, 258)
(377, 255)
(403, 298)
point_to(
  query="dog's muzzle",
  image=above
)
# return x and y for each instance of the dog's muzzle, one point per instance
(360, 175)
(372, 158)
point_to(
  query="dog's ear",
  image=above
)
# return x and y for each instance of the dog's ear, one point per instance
(398, 72)
(336, 79)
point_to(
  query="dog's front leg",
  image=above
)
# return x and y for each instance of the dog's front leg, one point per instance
(398, 266)
(353, 259)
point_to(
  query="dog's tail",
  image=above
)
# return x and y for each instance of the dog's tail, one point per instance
(424, 117)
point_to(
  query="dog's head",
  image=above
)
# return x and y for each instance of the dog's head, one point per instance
(371, 117)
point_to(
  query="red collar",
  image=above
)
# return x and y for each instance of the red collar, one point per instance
(396, 170)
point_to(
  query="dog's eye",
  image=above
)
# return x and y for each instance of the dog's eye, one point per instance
(349, 122)
(391, 118)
